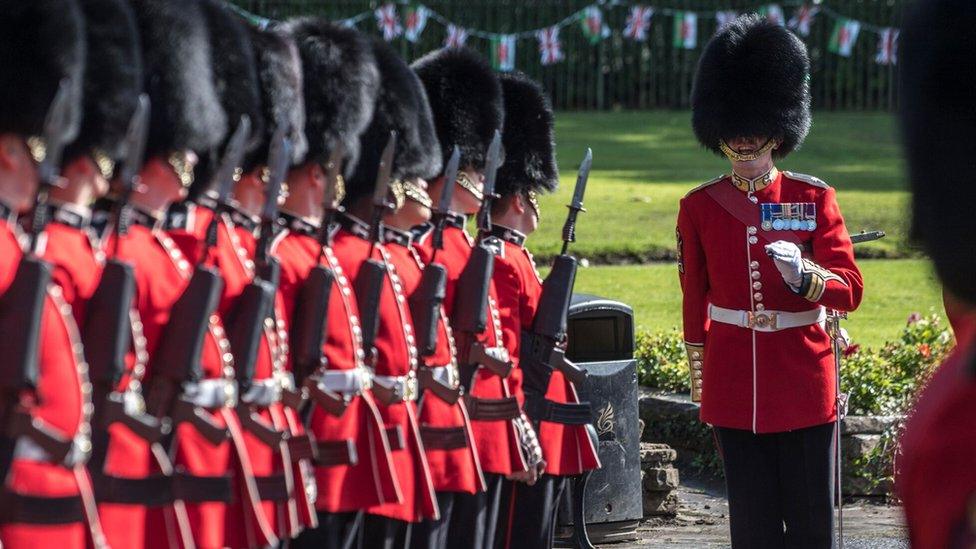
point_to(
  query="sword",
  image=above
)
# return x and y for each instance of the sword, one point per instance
(576, 206)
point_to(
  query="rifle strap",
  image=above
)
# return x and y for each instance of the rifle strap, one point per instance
(23, 509)
(443, 438)
(539, 408)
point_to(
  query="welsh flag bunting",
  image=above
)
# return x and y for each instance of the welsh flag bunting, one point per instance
(638, 22)
(550, 48)
(503, 52)
(844, 36)
(415, 19)
(887, 47)
(685, 29)
(801, 20)
(386, 19)
(723, 18)
(773, 13)
(592, 23)
(456, 37)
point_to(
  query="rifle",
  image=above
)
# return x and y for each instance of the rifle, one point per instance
(470, 316)
(541, 348)
(177, 357)
(22, 305)
(369, 283)
(256, 303)
(426, 301)
(107, 334)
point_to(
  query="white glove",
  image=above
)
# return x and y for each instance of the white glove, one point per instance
(786, 256)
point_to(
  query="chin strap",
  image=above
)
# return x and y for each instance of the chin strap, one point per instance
(736, 156)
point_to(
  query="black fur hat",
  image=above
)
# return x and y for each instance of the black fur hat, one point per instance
(280, 73)
(113, 78)
(341, 82)
(529, 140)
(752, 81)
(402, 107)
(466, 99)
(186, 112)
(939, 129)
(41, 42)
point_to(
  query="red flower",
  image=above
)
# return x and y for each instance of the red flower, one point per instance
(851, 350)
(925, 350)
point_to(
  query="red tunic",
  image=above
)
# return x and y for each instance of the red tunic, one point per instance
(497, 441)
(936, 479)
(765, 382)
(567, 449)
(58, 402)
(396, 355)
(454, 469)
(371, 480)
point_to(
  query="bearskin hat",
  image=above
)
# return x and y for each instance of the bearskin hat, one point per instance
(280, 73)
(466, 99)
(113, 78)
(752, 81)
(186, 111)
(939, 129)
(340, 86)
(529, 140)
(401, 106)
(41, 43)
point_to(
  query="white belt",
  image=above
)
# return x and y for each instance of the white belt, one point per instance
(212, 393)
(766, 321)
(28, 450)
(264, 392)
(348, 382)
(404, 387)
(447, 375)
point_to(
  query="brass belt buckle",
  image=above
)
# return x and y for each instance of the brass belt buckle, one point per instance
(762, 320)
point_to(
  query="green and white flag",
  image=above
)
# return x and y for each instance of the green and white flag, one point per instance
(415, 20)
(844, 36)
(685, 29)
(503, 52)
(592, 24)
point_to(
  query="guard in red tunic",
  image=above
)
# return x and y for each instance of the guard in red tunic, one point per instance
(444, 424)
(466, 99)
(44, 499)
(762, 254)
(936, 480)
(401, 106)
(567, 448)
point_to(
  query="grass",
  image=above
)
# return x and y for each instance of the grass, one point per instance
(893, 290)
(644, 162)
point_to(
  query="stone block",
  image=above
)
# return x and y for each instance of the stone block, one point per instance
(657, 479)
(656, 454)
(660, 504)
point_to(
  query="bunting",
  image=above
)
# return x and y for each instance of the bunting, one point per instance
(723, 18)
(801, 20)
(685, 30)
(844, 36)
(456, 37)
(773, 13)
(638, 21)
(592, 23)
(386, 20)
(503, 52)
(550, 48)
(887, 47)
(415, 20)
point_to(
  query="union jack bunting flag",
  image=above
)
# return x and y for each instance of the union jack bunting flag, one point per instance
(456, 37)
(550, 47)
(386, 19)
(638, 21)
(803, 18)
(887, 47)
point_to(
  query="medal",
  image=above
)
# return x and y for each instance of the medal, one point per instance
(789, 216)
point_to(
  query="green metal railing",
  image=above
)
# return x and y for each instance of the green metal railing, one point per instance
(618, 73)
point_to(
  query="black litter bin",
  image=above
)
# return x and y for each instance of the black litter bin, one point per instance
(601, 339)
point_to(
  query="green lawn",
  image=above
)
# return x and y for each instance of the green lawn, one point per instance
(644, 162)
(893, 290)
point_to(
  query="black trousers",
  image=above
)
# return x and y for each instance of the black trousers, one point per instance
(531, 513)
(384, 533)
(335, 531)
(780, 486)
(432, 534)
(475, 517)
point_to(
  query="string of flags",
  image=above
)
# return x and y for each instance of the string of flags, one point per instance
(413, 18)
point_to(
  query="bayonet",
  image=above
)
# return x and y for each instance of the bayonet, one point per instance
(335, 191)
(380, 202)
(576, 206)
(279, 159)
(223, 179)
(443, 208)
(491, 171)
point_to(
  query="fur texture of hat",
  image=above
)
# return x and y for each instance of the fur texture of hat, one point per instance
(401, 106)
(752, 81)
(280, 73)
(186, 111)
(529, 138)
(41, 43)
(341, 82)
(466, 98)
(113, 78)
(939, 129)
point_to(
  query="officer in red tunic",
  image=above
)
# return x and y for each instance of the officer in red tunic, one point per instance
(936, 479)
(762, 255)
(354, 469)
(466, 99)
(444, 424)
(401, 106)
(44, 500)
(567, 448)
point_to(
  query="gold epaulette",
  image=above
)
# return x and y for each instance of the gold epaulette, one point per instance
(703, 185)
(808, 179)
